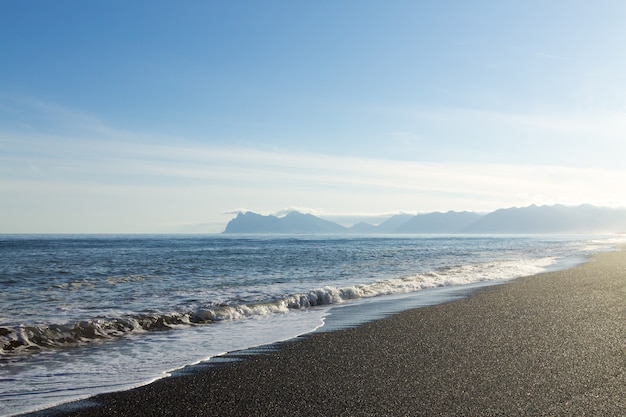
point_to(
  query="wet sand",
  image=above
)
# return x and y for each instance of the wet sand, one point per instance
(549, 345)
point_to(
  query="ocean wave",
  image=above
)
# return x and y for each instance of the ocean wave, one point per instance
(27, 338)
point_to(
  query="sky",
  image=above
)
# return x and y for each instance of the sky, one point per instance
(171, 117)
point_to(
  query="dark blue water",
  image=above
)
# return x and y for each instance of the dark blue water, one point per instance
(86, 314)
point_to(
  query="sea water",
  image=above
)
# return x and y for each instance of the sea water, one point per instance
(81, 315)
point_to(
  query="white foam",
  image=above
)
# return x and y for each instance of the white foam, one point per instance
(136, 361)
(27, 338)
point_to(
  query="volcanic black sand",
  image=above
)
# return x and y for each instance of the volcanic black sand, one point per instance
(549, 345)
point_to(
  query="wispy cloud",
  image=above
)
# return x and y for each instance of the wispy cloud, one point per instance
(114, 162)
(305, 210)
(603, 124)
(33, 116)
(118, 174)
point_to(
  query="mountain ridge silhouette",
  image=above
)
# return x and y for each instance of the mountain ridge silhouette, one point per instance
(532, 219)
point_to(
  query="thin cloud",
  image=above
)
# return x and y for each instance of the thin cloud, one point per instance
(607, 123)
(237, 211)
(113, 162)
(119, 175)
(304, 210)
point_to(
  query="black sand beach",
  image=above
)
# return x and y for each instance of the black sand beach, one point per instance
(549, 345)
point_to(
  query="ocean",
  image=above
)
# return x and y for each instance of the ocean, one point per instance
(86, 314)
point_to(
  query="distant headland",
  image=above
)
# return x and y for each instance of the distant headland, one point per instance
(532, 219)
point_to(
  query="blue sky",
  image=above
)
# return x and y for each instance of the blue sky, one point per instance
(153, 116)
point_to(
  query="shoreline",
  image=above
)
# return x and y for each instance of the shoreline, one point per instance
(549, 344)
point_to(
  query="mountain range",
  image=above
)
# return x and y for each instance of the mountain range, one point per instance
(532, 219)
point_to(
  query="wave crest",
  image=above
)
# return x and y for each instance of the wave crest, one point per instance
(35, 338)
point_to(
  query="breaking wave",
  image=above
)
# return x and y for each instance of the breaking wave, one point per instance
(27, 338)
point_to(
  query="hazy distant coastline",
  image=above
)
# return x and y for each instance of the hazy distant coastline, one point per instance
(532, 219)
